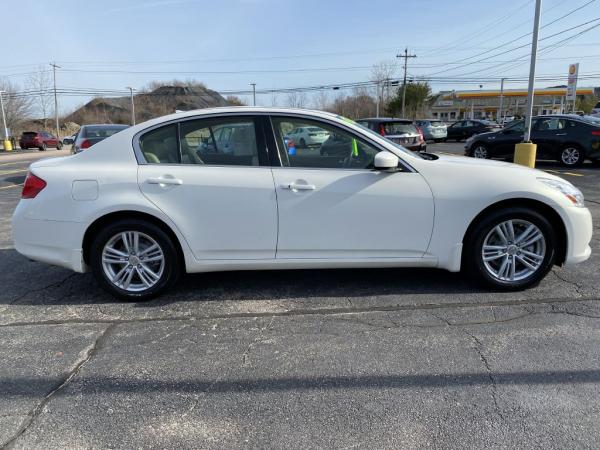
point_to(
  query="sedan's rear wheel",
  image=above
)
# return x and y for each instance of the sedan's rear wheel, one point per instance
(134, 260)
(511, 249)
(571, 156)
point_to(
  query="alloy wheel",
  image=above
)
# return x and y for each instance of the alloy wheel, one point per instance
(480, 152)
(133, 261)
(570, 156)
(513, 250)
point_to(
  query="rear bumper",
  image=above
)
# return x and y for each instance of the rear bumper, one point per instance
(53, 242)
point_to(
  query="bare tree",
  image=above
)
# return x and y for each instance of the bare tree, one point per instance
(321, 101)
(274, 98)
(40, 82)
(234, 100)
(296, 99)
(381, 74)
(17, 107)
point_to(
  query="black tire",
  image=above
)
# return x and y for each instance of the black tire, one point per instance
(474, 265)
(302, 143)
(43, 147)
(59, 146)
(571, 156)
(437, 141)
(172, 264)
(479, 150)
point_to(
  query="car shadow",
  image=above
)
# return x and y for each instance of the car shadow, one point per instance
(27, 282)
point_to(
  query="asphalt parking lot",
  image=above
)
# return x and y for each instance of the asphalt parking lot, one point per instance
(299, 359)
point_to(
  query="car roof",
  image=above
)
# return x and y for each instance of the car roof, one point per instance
(108, 125)
(383, 119)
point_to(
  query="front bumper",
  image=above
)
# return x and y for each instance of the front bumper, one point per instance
(578, 222)
(50, 241)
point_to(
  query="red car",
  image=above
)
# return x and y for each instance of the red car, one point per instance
(41, 140)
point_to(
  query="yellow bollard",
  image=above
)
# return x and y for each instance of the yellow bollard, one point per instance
(7, 145)
(525, 154)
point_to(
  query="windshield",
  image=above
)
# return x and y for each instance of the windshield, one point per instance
(102, 131)
(591, 120)
(399, 128)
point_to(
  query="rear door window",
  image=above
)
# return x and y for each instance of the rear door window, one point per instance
(159, 146)
(221, 142)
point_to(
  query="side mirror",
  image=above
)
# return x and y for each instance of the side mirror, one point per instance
(385, 161)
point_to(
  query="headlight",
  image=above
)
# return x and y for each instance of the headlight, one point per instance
(570, 191)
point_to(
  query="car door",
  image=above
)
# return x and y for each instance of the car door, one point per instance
(221, 199)
(506, 139)
(335, 206)
(548, 133)
(455, 130)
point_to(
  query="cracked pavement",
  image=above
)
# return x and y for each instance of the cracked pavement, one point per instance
(299, 359)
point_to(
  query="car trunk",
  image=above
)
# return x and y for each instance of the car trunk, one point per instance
(28, 137)
(403, 133)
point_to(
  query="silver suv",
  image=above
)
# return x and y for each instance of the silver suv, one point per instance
(433, 130)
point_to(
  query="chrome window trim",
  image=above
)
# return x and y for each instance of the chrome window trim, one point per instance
(142, 161)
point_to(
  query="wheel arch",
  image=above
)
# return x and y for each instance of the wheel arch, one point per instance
(101, 221)
(543, 208)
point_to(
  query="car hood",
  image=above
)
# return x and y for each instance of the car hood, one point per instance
(454, 163)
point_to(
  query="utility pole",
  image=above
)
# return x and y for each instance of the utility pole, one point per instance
(3, 115)
(499, 118)
(54, 67)
(132, 104)
(534, 43)
(253, 93)
(377, 100)
(405, 56)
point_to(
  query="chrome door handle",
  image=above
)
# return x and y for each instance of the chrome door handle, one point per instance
(161, 180)
(299, 187)
(561, 134)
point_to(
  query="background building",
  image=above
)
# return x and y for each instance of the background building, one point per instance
(479, 104)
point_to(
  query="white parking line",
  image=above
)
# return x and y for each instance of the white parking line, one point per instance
(9, 187)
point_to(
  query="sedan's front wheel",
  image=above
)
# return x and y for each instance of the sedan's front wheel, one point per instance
(511, 249)
(134, 260)
(480, 151)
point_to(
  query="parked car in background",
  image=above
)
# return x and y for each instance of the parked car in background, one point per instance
(400, 131)
(596, 110)
(89, 135)
(433, 129)
(141, 209)
(569, 139)
(40, 140)
(69, 139)
(464, 129)
(308, 136)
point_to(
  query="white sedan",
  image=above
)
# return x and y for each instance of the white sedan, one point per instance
(162, 198)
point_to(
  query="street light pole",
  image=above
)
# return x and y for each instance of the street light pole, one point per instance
(3, 115)
(253, 93)
(534, 43)
(54, 67)
(499, 118)
(132, 105)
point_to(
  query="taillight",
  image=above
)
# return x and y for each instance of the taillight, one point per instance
(381, 130)
(85, 144)
(595, 133)
(421, 133)
(33, 186)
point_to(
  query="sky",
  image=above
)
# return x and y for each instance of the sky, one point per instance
(228, 44)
